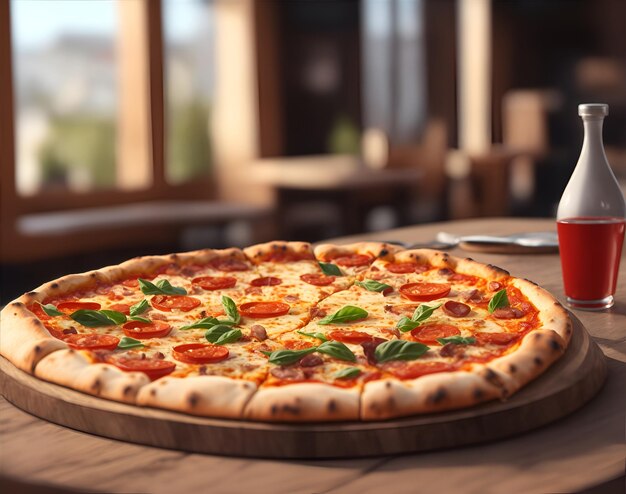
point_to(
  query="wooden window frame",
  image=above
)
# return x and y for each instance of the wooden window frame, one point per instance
(13, 205)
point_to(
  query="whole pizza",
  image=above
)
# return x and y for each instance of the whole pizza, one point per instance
(282, 332)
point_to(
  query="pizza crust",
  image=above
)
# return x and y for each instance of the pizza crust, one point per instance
(304, 402)
(263, 252)
(378, 250)
(213, 396)
(388, 398)
(74, 369)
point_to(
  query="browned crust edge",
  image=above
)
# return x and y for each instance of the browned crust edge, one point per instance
(258, 253)
(378, 250)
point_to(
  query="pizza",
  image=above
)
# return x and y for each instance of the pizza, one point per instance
(284, 332)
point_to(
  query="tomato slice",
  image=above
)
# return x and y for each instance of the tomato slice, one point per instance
(423, 292)
(353, 260)
(134, 282)
(37, 309)
(92, 341)
(496, 338)
(73, 306)
(266, 281)
(402, 267)
(428, 333)
(413, 370)
(144, 330)
(168, 302)
(123, 308)
(350, 336)
(317, 279)
(200, 353)
(229, 265)
(257, 310)
(214, 282)
(151, 367)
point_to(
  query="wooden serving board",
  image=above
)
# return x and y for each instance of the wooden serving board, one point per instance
(565, 387)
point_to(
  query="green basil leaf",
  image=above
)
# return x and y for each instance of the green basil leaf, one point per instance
(319, 336)
(51, 310)
(399, 350)
(139, 318)
(207, 323)
(346, 314)
(139, 308)
(215, 332)
(287, 357)
(115, 316)
(162, 287)
(229, 337)
(230, 307)
(457, 340)
(500, 299)
(330, 269)
(374, 286)
(337, 350)
(93, 318)
(423, 312)
(405, 324)
(126, 343)
(348, 373)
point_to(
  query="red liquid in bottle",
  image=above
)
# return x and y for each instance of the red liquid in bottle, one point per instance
(590, 249)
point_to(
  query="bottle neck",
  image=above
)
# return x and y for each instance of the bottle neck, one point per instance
(592, 144)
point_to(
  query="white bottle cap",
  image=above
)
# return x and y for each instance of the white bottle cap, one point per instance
(593, 110)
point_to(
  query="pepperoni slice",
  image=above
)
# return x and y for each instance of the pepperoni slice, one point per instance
(456, 309)
(73, 306)
(144, 330)
(464, 278)
(350, 336)
(402, 267)
(508, 313)
(123, 308)
(214, 282)
(496, 338)
(428, 333)
(297, 344)
(199, 353)
(266, 281)
(229, 265)
(168, 302)
(92, 341)
(494, 286)
(423, 292)
(258, 310)
(353, 261)
(151, 367)
(413, 370)
(317, 279)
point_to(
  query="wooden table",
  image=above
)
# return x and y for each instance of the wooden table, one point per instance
(584, 450)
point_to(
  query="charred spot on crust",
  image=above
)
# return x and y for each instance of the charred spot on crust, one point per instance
(37, 349)
(96, 386)
(173, 257)
(127, 390)
(538, 361)
(332, 406)
(493, 378)
(54, 285)
(383, 253)
(31, 294)
(438, 396)
(499, 269)
(388, 385)
(568, 329)
(153, 392)
(17, 304)
(93, 274)
(291, 409)
(479, 394)
(554, 344)
(512, 368)
(193, 399)
(537, 336)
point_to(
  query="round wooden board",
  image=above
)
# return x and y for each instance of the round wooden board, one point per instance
(565, 387)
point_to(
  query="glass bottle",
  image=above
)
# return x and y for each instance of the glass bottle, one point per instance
(591, 221)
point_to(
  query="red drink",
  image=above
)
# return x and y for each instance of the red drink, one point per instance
(590, 250)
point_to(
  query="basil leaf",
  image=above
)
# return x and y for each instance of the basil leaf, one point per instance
(347, 314)
(457, 340)
(374, 286)
(319, 336)
(337, 350)
(51, 310)
(216, 331)
(230, 307)
(115, 316)
(287, 357)
(93, 318)
(348, 373)
(330, 269)
(126, 343)
(399, 350)
(229, 337)
(423, 312)
(206, 323)
(139, 318)
(498, 300)
(139, 308)
(405, 324)
(162, 287)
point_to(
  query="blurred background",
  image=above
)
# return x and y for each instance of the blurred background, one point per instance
(133, 127)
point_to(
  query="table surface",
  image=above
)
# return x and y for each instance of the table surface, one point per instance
(583, 450)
